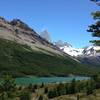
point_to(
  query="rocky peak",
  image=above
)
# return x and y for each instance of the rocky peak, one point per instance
(45, 34)
(60, 43)
(89, 51)
(20, 24)
(3, 20)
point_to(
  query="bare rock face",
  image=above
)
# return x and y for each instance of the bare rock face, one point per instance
(20, 24)
(3, 20)
(45, 34)
(91, 55)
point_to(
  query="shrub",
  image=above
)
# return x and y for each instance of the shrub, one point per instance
(40, 97)
(46, 90)
(35, 86)
(52, 93)
(25, 96)
(42, 85)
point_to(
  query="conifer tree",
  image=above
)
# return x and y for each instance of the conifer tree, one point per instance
(72, 87)
(95, 28)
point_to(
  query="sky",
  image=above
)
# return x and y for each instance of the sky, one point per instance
(65, 20)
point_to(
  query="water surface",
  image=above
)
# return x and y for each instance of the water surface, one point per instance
(46, 80)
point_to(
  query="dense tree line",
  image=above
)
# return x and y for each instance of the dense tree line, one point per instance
(76, 87)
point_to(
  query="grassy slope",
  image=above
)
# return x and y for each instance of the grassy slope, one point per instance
(21, 60)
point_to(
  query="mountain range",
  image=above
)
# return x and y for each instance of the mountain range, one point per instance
(24, 52)
(88, 55)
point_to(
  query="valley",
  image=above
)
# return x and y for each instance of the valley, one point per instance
(24, 52)
(35, 65)
(22, 60)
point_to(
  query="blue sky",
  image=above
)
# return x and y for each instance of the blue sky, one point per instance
(65, 20)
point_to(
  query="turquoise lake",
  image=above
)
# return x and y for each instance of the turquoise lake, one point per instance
(47, 80)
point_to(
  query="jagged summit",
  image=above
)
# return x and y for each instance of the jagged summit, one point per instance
(60, 43)
(21, 24)
(91, 50)
(3, 19)
(72, 51)
(91, 55)
(45, 34)
(17, 23)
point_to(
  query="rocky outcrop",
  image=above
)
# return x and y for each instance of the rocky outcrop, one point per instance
(90, 55)
(20, 24)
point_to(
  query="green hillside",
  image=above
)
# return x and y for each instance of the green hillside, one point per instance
(22, 60)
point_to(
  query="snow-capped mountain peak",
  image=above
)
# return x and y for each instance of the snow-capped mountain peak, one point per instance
(72, 51)
(67, 48)
(91, 50)
(87, 51)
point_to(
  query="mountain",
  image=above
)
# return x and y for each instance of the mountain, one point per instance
(60, 43)
(45, 34)
(89, 55)
(72, 51)
(24, 52)
(91, 51)
(19, 32)
(67, 48)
